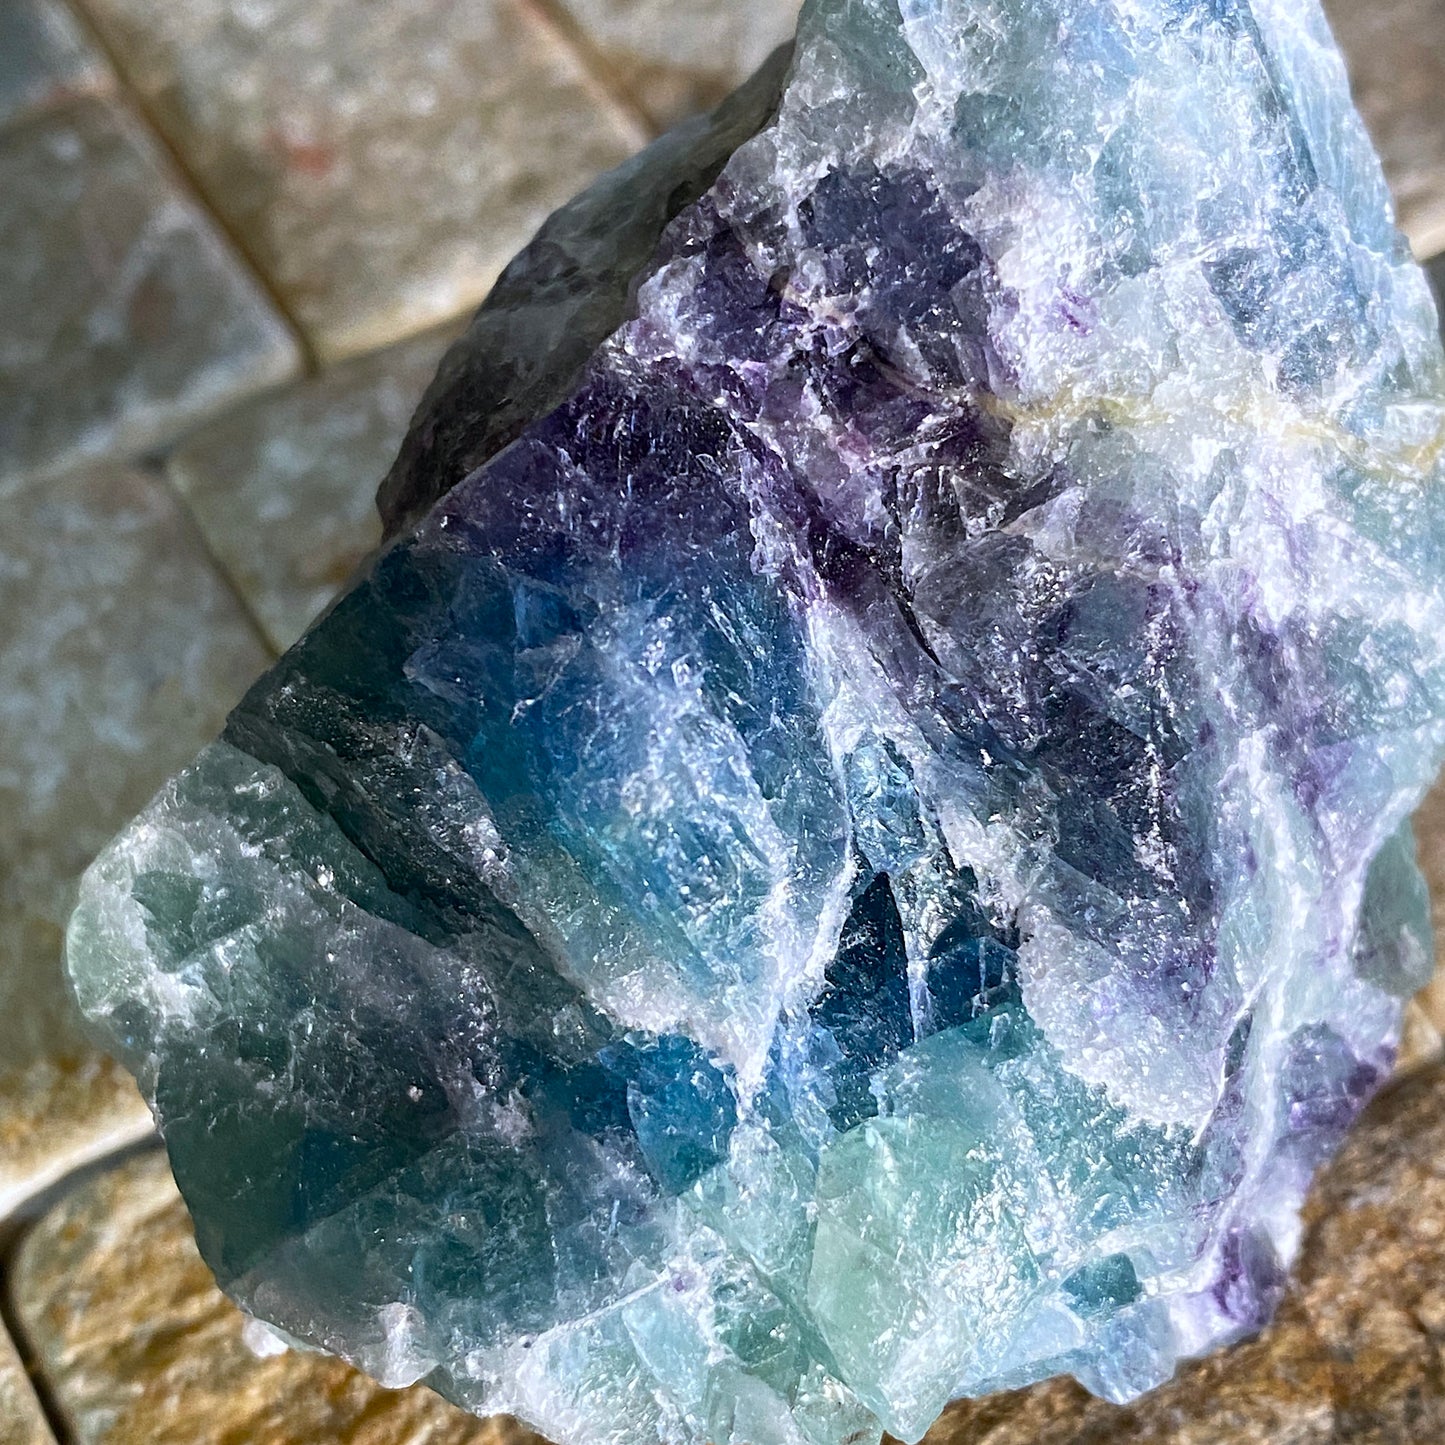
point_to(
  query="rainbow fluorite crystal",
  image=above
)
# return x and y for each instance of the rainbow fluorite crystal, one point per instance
(852, 849)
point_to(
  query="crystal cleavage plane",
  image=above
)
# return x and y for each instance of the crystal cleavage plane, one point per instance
(852, 848)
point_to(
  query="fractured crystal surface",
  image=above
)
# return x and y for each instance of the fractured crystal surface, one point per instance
(853, 849)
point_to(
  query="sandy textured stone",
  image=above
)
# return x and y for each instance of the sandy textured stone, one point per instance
(64, 1108)
(21, 1422)
(123, 650)
(680, 56)
(285, 488)
(140, 1348)
(1425, 1019)
(124, 317)
(1396, 54)
(1421, 1041)
(381, 162)
(43, 57)
(1357, 1352)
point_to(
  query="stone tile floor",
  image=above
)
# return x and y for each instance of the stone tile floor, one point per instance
(379, 163)
(234, 235)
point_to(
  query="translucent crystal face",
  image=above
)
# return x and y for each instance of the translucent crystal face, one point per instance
(861, 858)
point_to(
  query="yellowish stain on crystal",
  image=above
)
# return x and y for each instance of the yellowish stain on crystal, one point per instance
(1408, 445)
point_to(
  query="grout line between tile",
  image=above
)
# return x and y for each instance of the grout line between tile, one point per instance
(132, 98)
(159, 467)
(15, 1224)
(551, 16)
(12, 1232)
(50, 1411)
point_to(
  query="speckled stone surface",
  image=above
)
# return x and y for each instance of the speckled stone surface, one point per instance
(681, 56)
(1396, 55)
(21, 1421)
(124, 317)
(43, 57)
(123, 649)
(284, 489)
(60, 1108)
(1356, 1355)
(140, 1348)
(380, 162)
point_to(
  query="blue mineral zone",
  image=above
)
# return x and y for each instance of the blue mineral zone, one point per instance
(860, 854)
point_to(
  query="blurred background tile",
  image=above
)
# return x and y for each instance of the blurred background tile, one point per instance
(284, 489)
(21, 1420)
(1396, 54)
(380, 162)
(43, 57)
(124, 317)
(677, 58)
(141, 1348)
(124, 648)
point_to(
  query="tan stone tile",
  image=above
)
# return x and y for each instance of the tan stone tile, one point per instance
(21, 1420)
(1425, 1023)
(381, 162)
(123, 650)
(123, 315)
(140, 1348)
(1420, 1038)
(677, 57)
(64, 1108)
(1395, 50)
(284, 489)
(43, 57)
(1356, 1352)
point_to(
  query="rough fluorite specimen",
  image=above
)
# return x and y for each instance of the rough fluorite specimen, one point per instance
(852, 849)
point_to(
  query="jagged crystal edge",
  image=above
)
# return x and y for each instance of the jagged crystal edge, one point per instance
(858, 854)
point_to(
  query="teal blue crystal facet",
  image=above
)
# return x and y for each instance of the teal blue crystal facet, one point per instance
(852, 848)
